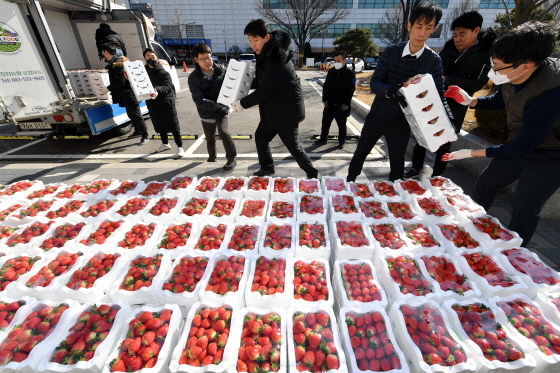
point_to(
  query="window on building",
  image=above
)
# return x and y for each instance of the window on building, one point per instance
(344, 3)
(187, 31)
(378, 3)
(496, 4)
(378, 30)
(442, 3)
(171, 32)
(195, 32)
(336, 30)
(274, 4)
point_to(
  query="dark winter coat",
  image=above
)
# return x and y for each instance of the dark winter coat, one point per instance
(162, 109)
(339, 88)
(468, 70)
(205, 92)
(277, 87)
(392, 68)
(121, 91)
(105, 35)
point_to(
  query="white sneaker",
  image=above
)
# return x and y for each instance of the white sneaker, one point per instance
(163, 147)
(180, 152)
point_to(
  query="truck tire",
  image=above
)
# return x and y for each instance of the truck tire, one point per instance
(123, 129)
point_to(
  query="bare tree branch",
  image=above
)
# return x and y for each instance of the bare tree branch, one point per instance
(390, 31)
(463, 7)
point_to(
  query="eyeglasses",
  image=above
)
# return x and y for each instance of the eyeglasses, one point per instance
(501, 68)
(209, 58)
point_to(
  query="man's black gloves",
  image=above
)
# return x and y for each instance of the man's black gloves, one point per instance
(394, 93)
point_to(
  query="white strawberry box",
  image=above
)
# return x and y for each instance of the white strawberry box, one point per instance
(375, 320)
(313, 240)
(139, 80)
(361, 190)
(351, 239)
(223, 210)
(343, 207)
(14, 192)
(353, 293)
(194, 209)
(12, 307)
(487, 329)
(273, 321)
(308, 186)
(237, 82)
(409, 318)
(47, 193)
(49, 362)
(268, 274)
(211, 239)
(169, 330)
(102, 235)
(401, 209)
(208, 187)
(410, 189)
(282, 211)
(431, 210)
(16, 245)
(550, 305)
(173, 241)
(309, 282)
(184, 281)
(488, 274)
(333, 185)
(299, 318)
(258, 187)
(34, 210)
(511, 311)
(388, 236)
(283, 188)
(233, 187)
(139, 238)
(278, 239)
(154, 189)
(70, 209)
(372, 208)
(462, 206)
(98, 210)
(96, 190)
(455, 238)
(61, 237)
(421, 236)
(127, 189)
(132, 209)
(385, 190)
(311, 207)
(252, 211)
(10, 263)
(181, 185)
(490, 233)
(243, 238)
(440, 186)
(164, 209)
(186, 345)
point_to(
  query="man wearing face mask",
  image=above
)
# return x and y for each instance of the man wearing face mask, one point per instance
(529, 90)
(338, 90)
(162, 108)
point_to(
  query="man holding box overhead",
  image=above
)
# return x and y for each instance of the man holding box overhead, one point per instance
(397, 64)
(529, 91)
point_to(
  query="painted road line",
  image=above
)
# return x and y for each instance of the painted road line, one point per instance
(195, 146)
(23, 147)
(186, 89)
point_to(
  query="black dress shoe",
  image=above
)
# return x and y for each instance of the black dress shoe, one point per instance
(412, 174)
(211, 160)
(264, 172)
(312, 176)
(320, 141)
(341, 146)
(230, 165)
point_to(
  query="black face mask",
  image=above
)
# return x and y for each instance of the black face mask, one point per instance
(152, 62)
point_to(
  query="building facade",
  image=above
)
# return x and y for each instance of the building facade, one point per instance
(220, 23)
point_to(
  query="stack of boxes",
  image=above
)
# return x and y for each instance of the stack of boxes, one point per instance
(100, 80)
(237, 82)
(139, 80)
(82, 83)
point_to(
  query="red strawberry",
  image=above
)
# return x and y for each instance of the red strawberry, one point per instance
(309, 359)
(332, 362)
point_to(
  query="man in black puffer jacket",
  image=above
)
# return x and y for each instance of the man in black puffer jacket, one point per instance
(466, 62)
(104, 35)
(397, 64)
(279, 96)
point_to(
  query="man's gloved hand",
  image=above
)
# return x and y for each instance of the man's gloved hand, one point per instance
(455, 156)
(237, 107)
(344, 107)
(218, 106)
(393, 91)
(458, 95)
(326, 103)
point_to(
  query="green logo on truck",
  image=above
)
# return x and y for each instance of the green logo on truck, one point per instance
(10, 41)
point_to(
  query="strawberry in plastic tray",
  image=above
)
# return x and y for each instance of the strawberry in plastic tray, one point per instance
(8, 311)
(258, 183)
(226, 275)
(61, 235)
(253, 208)
(141, 273)
(443, 185)
(494, 279)
(369, 341)
(269, 276)
(419, 234)
(412, 188)
(176, 236)
(69, 191)
(65, 210)
(207, 184)
(463, 204)
(205, 338)
(14, 268)
(529, 264)
(372, 209)
(432, 208)
(492, 232)
(103, 231)
(344, 206)
(443, 270)
(406, 274)
(278, 237)
(283, 185)
(137, 236)
(314, 345)
(387, 236)
(95, 186)
(456, 235)
(163, 206)
(38, 324)
(14, 188)
(222, 207)
(334, 185)
(34, 209)
(312, 235)
(211, 237)
(244, 238)
(186, 274)
(401, 210)
(312, 205)
(7, 231)
(124, 187)
(5, 213)
(361, 190)
(132, 206)
(45, 192)
(153, 189)
(358, 282)
(351, 233)
(311, 281)
(28, 233)
(308, 186)
(233, 184)
(98, 208)
(56, 267)
(146, 336)
(282, 210)
(97, 267)
(195, 206)
(261, 347)
(385, 189)
(180, 182)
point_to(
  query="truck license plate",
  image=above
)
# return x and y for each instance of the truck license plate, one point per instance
(34, 126)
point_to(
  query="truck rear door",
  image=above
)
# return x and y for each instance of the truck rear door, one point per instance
(28, 67)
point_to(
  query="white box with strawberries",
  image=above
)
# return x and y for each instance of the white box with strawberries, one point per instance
(237, 82)
(139, 80)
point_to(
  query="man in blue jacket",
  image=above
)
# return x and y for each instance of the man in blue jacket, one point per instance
(397, 64)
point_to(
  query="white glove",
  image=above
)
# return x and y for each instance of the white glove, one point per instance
(237, 107)
(104, 90)
(455, 156)
(458, 94)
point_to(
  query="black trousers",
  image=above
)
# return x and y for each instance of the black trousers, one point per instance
(135, 116)
(210, 132)
(340, 117)
(538, 174)
(419, 153)
(396, 137)
(290, 137)
(176, 136)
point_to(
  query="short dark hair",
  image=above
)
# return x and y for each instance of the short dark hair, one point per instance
(148, 50)
(340, 53)
(468, 20)
(201, 48)
(529, 42)
(109, 48)
(426, 11)
(257, 27)
(104, 25)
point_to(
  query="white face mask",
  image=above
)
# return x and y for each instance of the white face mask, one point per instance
(499, 79)
(337, 65)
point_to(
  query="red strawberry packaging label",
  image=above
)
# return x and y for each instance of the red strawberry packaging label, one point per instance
(34, 209)
(56, 267)
(311, 281)
(368, 336)
(65, 210)
(195, 206)
(408, 278)
(132, 206)
(358, 283)
(48, 191)
(457, 237)
(98, 208)
(227, 275)
(61, 235)
(401, 210)
(141, 273)
(153, 189)
(137, 236)
(7, 212)
(278, 237)
(308, 186)
(387, 236)
(97, 267)
(529, 264)
(125, 187)
(105, 230)
(313, 342)
(443, 270)
(385, 189)
(14, 268)
(163, 206)
(372, 209)
(186, 274)
(176, 236)
(420, 234)
(361, 190)
(244, 238)
(211, 237)
(25, 235)
(69, 191)
(334, 185)
(262, 346)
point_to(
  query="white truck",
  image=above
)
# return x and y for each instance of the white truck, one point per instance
(40, 40)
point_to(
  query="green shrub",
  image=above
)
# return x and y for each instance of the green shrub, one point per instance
(492, 122)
